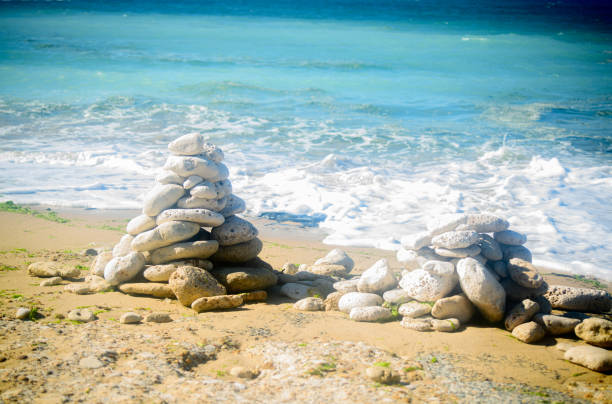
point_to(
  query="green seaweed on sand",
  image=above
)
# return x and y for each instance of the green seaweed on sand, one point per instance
(10, 206)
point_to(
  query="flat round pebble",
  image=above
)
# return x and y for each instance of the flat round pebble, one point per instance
(130, 318)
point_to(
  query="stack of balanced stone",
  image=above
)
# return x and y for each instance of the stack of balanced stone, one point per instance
(189, 222)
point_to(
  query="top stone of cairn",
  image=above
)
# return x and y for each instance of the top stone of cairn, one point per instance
(193, 144)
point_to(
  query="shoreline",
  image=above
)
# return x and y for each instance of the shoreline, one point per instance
(478, 353)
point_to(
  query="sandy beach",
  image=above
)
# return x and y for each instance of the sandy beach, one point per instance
(299, 356)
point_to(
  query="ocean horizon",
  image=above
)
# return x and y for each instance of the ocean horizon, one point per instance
(362, 118)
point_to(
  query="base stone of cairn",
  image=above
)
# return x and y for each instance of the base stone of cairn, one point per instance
(188, 239)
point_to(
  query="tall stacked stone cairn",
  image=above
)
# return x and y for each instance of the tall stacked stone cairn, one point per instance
(464, 268)
(189, 243)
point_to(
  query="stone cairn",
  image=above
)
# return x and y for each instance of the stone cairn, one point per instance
(464, 267)
(188, 242)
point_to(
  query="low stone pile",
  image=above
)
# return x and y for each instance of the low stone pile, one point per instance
(189, 242)
(464, 266)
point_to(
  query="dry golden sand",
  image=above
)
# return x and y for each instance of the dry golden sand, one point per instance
(479, 351)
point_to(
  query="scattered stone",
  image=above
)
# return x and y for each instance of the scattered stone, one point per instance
(579, 299)
(597, 359)
(238, 253)
(234, 231)
(379, 374)
(529, 332)
(245, 279)
(595, 331)
(130, 318)
(190, 283)
(90, 252)
(489, 248)
(204, 217)
(484, 223)
(328, 270)
(81, 315)
(51, 269)
(56, 280)
(414, 309)
(98, 265)
(331, 301)
(377, 279)
(124, 246)
(90, 362)
(309, 304)
(433, 282)
(521, 313)
(524, 273)
(455, 239)
(97, 284)
(158, 318)
(510, 237)
(337, 257)
(358, 299)
(370, 314)
(346, 286)
(243, 373)
(556, 325)
(140, 224)
(22, 313)
(470, 251)
(216, 303)
(254, 296)
(122, 269)
(296, 291)
(417, 324)
(396, 296)
(164, 235)
(458, 307)
(416, 241)
(161, 197)
(199, 249)
(482, 289)
(516, 251)
(517, 293)
(446, 325)
(78, 288)
(161, 290)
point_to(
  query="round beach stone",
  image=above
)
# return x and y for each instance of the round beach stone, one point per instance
(164, 235)
(233, 206)
(204, 217)
(446, 325)
(122, 269)
(578, 299)
(414, 309)
(161, 290)
(99, 263)
(296, 291)
(523, 273)
(238, 253)
(90, 362)
(489, 248)
(23, 313)
(130, 318)
(168, 177)
(433, 282)
(337, 256)
(161, 197)
(191, 202)
(188, 145)
(395, 296)
(377, 279)
(331, 301)
(418, 324)
(510, 237)
(327, 270)
(206, 190)
(158, 318)
(124, 246)
(212, 152)
(595, 331)
(556, 325)
(140, 224)
(594, 358)
(455, 239)
(521, 313)
(234, 231)
(217, 303)
(517, 292)
(370, 314)
(358, 299)
(160, 273)
(97, 284)
(529, 332)
(379, 374)
(445, 223)
(470, 251)
(191, 283)
(500, 268)
(50, 269)
(201, 249)
(516, 251)
(309, 304)
(416, 241)
(458, 307)
(56, 280)
(484, 223)
(186, 166)
(81, 315)
(240, 279)
(192, 181)
(78, 288)
(481, 288)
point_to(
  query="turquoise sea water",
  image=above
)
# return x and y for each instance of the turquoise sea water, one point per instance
(364, 118)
